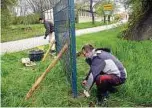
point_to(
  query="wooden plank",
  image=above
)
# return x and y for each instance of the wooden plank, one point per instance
(39, 80)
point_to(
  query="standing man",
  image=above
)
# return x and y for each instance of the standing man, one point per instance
(49, 31)
(105, 69)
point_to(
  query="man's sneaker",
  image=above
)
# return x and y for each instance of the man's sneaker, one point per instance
(102, 100)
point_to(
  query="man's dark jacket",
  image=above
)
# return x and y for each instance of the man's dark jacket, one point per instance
(49, 28)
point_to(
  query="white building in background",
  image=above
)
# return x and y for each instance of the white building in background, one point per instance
(86, 16)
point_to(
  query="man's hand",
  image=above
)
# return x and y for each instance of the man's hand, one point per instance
(84, 82)
(44, 37)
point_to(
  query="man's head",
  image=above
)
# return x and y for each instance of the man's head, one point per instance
(87, 50)
(41, 20)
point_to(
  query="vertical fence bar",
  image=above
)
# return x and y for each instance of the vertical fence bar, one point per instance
(73, 46)
(56, 32)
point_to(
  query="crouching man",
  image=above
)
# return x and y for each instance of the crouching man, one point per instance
(105, 70)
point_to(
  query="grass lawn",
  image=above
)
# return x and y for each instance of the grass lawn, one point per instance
(17, 32)
(88, 25)
(55, 91)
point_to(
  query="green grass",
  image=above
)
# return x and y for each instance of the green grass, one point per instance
(55, 91)
(88, 25)
(17, 32)
(136, 57)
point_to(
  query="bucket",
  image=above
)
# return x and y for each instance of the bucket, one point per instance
(36, 55)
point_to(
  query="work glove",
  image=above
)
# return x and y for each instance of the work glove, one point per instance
(78, 54)
(45, 37)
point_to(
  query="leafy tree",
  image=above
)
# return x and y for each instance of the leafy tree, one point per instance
(86, 6)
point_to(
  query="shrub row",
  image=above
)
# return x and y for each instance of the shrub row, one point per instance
(29, 19)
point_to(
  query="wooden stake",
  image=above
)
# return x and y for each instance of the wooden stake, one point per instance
(50, 46)
(38, 81)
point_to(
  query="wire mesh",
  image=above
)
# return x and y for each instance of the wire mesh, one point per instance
(65, 33)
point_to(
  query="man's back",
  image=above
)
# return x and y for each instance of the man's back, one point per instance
(112, 65)
(49, 26)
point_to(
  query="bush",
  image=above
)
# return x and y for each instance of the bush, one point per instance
(29, 19)
(5, 19)
(117, 17)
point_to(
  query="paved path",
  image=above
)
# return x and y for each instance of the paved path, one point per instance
(24, 44)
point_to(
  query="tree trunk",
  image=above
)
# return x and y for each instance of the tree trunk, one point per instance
(142, 29)
(104, 19)
(109, 18)
(77, 17)
(91, 10)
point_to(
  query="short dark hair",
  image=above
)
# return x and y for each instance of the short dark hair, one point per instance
(87, 47)
(41, 19)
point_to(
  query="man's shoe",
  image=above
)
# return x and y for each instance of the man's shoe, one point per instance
(102, 99)
(102, 102)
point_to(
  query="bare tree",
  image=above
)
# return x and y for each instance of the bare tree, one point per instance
(39, 6)
(21, 8)
(91, 11)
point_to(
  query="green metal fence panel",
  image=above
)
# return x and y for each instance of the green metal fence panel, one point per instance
(65, 33)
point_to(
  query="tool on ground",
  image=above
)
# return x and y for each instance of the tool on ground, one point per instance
(27, 62)
(85, 91)
(38, 81)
